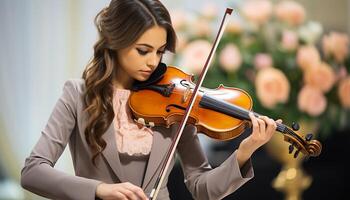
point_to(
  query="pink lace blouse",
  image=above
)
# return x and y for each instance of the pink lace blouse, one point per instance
(131, 138)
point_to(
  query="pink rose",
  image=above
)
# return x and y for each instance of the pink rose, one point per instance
(307, 56)
(342, 73)
(257, 11)
(336, 45)
(290, 12)
(194, 55)
(262, 60)
(272, 87)
(311, 100)
(289, 40)
(209, 10)
(201, 27)
(178, 19)
(234, 26)
(230, 58)
(320, 76)
(181, 41)
(344, 92)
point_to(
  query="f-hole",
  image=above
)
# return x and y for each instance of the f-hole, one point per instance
(174, 105)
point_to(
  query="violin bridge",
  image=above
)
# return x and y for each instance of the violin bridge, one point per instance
(186, 94)
(144, 123)
(151, 124)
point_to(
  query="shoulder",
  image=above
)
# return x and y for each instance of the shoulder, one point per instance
(73, 91)
(75, 85)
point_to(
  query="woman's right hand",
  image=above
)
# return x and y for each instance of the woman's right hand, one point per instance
(120, 191)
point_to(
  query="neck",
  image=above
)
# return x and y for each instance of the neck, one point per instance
(119, 85)
(122, 80)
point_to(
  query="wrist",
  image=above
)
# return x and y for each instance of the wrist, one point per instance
(99, 189)
(243, 156)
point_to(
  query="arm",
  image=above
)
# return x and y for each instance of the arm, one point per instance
(201, 180)
(263, 129)
(38, 174)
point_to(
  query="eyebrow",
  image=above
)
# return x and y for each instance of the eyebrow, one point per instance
(150, 46)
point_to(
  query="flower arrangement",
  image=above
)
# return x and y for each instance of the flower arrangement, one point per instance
(289, 66)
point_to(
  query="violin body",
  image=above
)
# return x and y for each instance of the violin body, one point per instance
(156, 107)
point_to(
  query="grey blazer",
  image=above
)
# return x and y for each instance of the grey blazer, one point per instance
(66, 125)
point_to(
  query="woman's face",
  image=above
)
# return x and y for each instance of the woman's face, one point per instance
(138, 61)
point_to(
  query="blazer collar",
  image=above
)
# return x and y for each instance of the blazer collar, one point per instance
(111, 152)
(161, 143)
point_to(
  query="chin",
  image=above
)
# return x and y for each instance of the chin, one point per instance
(142, 78)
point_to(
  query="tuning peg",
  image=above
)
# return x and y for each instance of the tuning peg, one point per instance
(296, 153)
(291, 148)
(295, 126)
(308, 137)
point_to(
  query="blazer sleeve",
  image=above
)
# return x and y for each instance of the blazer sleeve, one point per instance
(202, 181)
(38, 174)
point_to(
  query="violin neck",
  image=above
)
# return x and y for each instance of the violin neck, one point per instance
(232, 110)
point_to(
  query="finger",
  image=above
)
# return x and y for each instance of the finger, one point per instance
(140, 193)
(119, 195)
(278, 122)
(271, 127)
(269, 121)
(128, 193)
(136, 190)
(262, 125)
(255, 123)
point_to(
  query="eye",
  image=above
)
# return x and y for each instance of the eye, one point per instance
(142, 52)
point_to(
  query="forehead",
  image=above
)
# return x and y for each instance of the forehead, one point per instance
(155, 36)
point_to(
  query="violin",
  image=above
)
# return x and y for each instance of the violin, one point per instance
(221, 113)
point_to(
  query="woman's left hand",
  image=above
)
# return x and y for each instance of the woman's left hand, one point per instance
(263, 129)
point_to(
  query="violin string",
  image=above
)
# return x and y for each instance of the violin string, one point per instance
(224, 107)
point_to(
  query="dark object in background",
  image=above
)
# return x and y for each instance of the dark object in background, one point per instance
(2, 173)
(329, 172)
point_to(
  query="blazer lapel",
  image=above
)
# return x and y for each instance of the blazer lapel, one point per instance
(161, 143)
(111, 152)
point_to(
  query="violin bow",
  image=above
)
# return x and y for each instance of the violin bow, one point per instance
(172, 148)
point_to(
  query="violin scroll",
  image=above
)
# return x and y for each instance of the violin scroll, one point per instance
(305, 145)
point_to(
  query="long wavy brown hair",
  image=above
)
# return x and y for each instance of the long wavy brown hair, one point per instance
(119, 26)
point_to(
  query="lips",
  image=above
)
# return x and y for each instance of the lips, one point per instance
(146, 71)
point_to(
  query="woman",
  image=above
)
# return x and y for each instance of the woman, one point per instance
(113, 156)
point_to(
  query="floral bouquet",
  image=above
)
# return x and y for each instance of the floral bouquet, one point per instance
(289, 66)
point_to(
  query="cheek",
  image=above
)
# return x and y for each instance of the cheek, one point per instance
(131, 60)
(136, 59)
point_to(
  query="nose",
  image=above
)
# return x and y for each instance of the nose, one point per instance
(153, 61)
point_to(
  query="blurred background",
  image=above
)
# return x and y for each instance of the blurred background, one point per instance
(292, 57)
